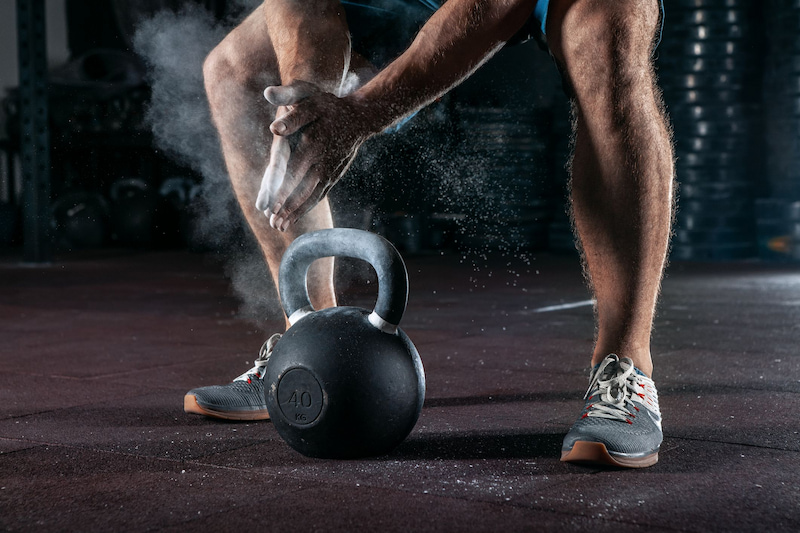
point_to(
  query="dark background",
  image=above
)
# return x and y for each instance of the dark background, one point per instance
(730, 71)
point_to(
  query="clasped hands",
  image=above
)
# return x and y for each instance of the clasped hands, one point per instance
(315, 138)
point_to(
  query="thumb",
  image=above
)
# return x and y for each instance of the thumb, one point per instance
(295, 92)
(293, 120)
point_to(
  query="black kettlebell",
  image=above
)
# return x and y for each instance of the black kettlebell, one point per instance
(344, 382)
(80, 220)
(133, 211)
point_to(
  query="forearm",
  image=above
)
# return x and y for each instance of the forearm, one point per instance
(310, 39)
(458, 39)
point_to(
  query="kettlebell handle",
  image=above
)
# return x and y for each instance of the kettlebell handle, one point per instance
(345, 242)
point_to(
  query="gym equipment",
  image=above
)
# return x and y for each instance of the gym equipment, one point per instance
(782, 98)
(172, 211)
(504, 192)
(9, 220)
(709, 69)
(344, 382)
(133, 212)
(80, 220)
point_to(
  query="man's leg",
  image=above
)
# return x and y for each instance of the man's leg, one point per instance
(622, 188)
(622, 168)
(236, 73)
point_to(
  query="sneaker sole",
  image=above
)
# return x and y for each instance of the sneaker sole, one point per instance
(191, 406)
(596, 453)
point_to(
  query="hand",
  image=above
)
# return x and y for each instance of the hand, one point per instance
(315, 141)
(276, 169)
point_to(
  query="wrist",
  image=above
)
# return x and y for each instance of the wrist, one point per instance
(375, 114)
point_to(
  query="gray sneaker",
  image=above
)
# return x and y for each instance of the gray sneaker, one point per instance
(621, 424)
(243, 399)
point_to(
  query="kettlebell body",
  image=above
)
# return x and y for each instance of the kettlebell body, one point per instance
(344, 382)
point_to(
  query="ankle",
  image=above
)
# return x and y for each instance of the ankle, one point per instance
(641, 359)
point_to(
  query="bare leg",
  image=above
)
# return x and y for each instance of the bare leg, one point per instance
(622, 170)
(236, 73)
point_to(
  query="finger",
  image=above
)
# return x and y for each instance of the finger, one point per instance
(320, 192)
(290, 181)
(313, 199)
(294, 119)
(291, 94)
(296, 197)
(274, 174)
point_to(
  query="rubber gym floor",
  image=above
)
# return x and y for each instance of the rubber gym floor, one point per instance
(99, 348)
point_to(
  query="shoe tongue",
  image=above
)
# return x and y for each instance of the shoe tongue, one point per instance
(611, 371)
(250, 373)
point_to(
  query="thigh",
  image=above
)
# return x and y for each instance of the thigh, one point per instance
(249, 48)
(551, 15)
(596, 35)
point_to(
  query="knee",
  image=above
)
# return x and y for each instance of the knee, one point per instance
(215, 68)
(600, 44)
(229, 69)
(219, 71)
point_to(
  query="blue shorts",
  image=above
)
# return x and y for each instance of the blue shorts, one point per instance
(382, 29)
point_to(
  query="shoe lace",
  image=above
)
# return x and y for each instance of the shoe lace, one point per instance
(260, 364)
(617, 388)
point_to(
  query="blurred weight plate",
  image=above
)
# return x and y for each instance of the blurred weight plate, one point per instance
(782, 25)
(708, 128)
(708, 176)
(729, 80)
(788, 85)
(771, 208)
(789, 45)
(713, 160)
(784, 155)
(716, 111)
(715, 191)
(702, 207)
(782, 64)
(700, 65)
(784, 186)
(712, 17)
(674, 5)
(710, 252)
(782, 4)
(785, 130)
(719, 236)
(712, 144)
(728, 220)
(712, 175)
(740, 49)
(703, 97)
(793, 211)
(786, 108)
(784, 179)
(711, 32)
